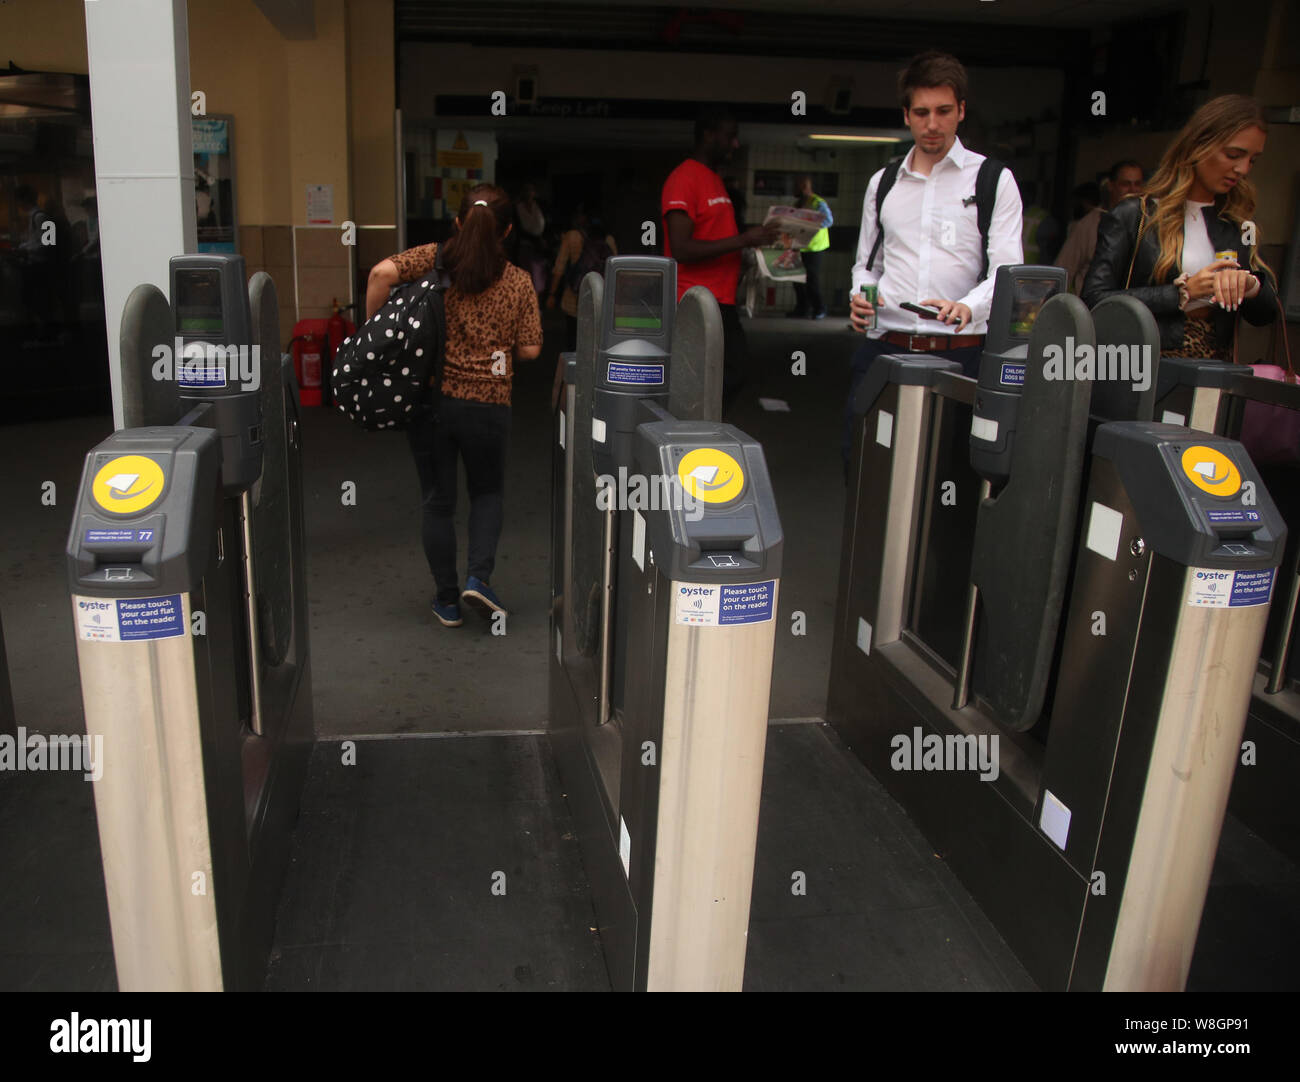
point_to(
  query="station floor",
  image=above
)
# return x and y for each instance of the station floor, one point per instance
(392, 860)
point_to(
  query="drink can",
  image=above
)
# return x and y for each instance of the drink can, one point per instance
(869, 294)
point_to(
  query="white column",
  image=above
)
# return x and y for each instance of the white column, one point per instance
(144, 155)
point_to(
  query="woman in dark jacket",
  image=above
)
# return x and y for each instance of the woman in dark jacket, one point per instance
(1188, 248)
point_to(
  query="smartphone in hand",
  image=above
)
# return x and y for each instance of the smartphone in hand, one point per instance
(922, 310)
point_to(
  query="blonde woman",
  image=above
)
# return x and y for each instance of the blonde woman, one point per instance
(1189, 249)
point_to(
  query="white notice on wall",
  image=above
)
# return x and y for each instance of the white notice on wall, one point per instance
(320, 204)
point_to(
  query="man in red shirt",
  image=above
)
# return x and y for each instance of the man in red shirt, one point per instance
(700, 233)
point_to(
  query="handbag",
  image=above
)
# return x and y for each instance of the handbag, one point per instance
(1270, 434)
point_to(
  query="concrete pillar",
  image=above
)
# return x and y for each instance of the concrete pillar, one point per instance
(144, 158)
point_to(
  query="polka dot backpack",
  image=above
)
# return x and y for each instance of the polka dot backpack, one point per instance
(380, 375)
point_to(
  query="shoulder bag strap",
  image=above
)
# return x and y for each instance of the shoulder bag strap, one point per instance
(1142, 228)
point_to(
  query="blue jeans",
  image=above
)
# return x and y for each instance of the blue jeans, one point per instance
(968, 357)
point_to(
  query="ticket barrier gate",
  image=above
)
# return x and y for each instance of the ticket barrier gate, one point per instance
(188, 582)
(1042, 584)
(664, 590)
(1214, 396)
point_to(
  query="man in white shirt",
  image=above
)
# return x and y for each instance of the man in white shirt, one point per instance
(928, 248)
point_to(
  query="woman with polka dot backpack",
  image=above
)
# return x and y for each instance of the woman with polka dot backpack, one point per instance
(489, 319)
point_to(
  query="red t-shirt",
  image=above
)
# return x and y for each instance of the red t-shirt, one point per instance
(696, 189)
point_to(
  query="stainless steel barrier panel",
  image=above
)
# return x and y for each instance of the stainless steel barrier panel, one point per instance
(1223, 398)
(702, 619)
(658, 697)
(204, 701)
(1087, 836)
(148, 559)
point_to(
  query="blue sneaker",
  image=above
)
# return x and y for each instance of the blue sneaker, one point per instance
(479, 594)
(448, 615)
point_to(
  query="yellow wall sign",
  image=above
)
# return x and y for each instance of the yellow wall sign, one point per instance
(127, 484)
(1211, 471)
(711, 475)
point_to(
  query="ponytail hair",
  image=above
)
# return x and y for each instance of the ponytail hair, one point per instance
(475, 257)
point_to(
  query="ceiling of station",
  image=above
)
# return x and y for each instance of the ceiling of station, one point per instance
(984, 30)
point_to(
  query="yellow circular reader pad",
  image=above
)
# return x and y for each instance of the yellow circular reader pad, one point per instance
(711, 475)
(127, 484)
(1211, 471)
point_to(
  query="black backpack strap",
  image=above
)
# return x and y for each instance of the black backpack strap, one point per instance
(887, 178)
(438, 313)
(986, 194)
(440, 275)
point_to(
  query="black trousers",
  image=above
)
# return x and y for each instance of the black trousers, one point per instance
(871, 348)
(476, 433)
(734, 352)
(808, 296)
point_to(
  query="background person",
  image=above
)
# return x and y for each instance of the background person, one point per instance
(808, 295)
(1180, 248)
(1124, 179)
(531, 239)
(700, 233)
(491, 309)
(585, 245)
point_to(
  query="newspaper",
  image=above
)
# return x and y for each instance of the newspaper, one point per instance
(798, 227)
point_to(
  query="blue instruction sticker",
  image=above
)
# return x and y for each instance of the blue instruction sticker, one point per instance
(746, 603)
(1252, 587)
(1013, 374)
(1234, 515)
(723, 604)
(647, 375)
(196, 373)
(1217, 588)
(109, 537)
(129, 619)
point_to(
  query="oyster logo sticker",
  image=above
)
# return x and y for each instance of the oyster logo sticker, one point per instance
(1211, 471)
(711, 475)
(127, 484)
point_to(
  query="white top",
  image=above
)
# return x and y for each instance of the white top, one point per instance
(932, 244)
(1198, 252)
(531, 218)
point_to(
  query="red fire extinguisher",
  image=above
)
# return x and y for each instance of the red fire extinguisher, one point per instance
(309, 345)
(314, 343)
(337, 328)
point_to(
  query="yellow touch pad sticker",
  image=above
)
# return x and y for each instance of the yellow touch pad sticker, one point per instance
(1211, 471)
(127, 484)
(711, 475)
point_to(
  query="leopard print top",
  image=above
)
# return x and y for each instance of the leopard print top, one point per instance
(503, 316)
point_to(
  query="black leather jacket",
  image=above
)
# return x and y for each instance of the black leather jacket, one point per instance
(1116, 234)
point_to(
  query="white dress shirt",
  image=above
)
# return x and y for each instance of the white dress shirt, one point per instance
(932, 245)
